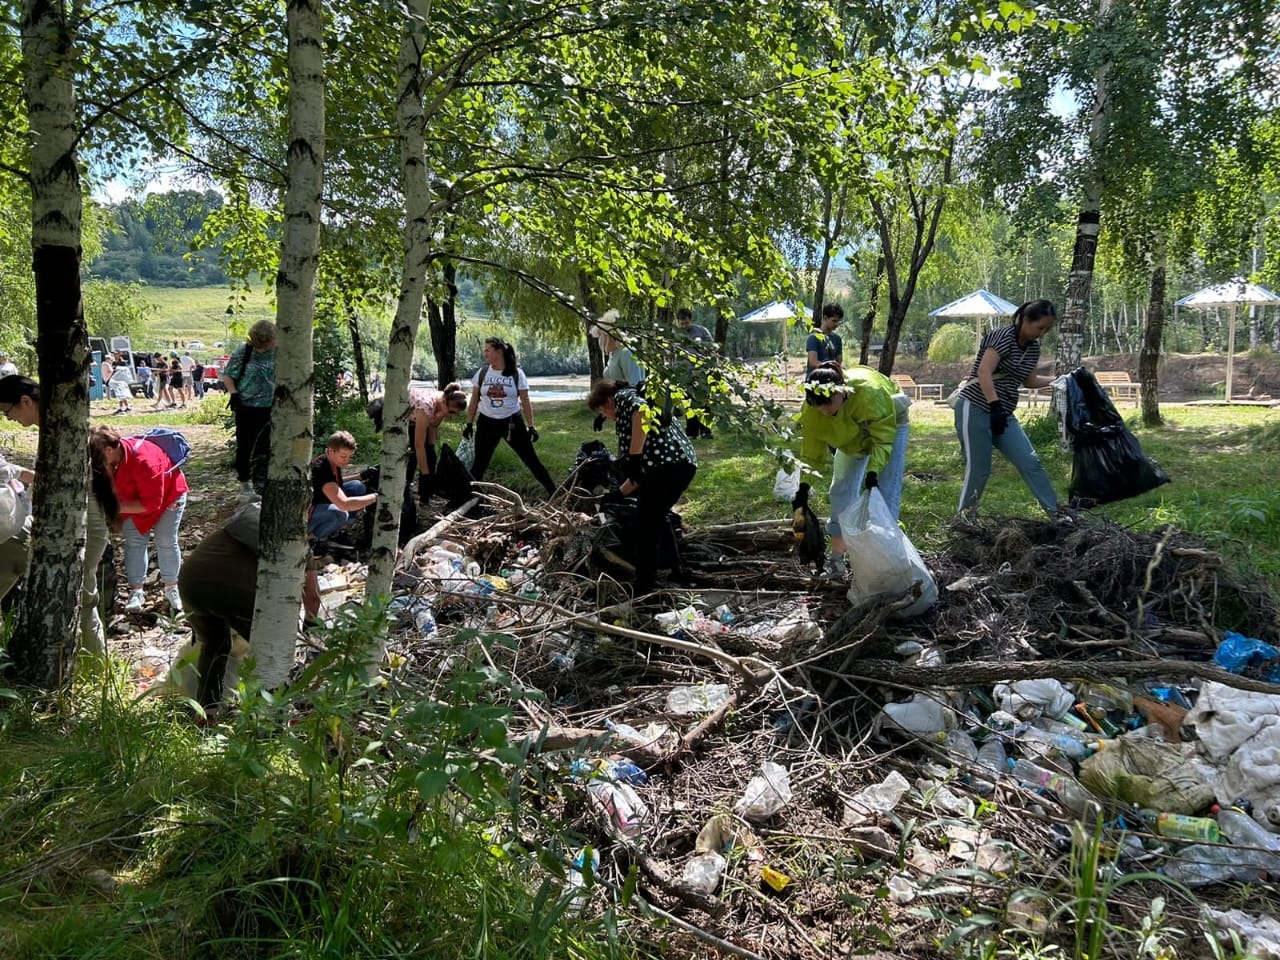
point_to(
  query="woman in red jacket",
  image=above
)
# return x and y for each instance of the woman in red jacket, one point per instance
(150, 495)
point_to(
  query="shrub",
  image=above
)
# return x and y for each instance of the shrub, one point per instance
(953, 342)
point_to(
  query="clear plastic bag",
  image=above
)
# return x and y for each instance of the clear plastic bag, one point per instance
(766, 794)
(786, 485)
(881, 558)
(467, 452)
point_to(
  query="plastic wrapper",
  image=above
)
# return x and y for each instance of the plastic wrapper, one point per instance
(766, 794)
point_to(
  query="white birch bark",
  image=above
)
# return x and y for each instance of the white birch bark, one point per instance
(411, 122)
(1075, 312)
(283, 547)
(47, 633)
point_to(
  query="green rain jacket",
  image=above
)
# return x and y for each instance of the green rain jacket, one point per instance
(865, 425)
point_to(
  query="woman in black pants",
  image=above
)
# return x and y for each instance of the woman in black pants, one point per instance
(659, 464)
(500, 410)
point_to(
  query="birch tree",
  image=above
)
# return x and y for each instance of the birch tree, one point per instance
(414, 172)
(282, 545)
(44, 643)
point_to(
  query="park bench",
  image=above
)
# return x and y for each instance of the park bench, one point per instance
(917, 391)
(1117, 384)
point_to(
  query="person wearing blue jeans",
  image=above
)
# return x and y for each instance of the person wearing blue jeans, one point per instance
(168, 554)
(1007, 359)
(862, 415)
(333, 500)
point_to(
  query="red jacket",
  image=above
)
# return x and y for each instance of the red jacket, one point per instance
(146, 475)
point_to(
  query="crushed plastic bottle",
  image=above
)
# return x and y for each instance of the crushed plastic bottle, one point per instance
(700, 698)
(766, 793)
(1262, 847)
(1073, 796)
(1201, 864)
(703, 872)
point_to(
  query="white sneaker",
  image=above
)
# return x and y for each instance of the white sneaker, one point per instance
(135, 601)
(248, 495)
(836, 567)
(175, 601)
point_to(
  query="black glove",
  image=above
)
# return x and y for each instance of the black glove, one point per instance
(598, 423)
(426, 487)
(468, 431)
(533, 435)
(801, 499)
(233, 400)
(872, 480)
(999, 420)
(633, 466)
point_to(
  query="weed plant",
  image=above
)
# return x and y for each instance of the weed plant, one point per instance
(337, 818)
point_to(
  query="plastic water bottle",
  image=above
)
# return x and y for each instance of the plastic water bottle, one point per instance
(1058, 743)
(1244, 831)
(1073, 796)
(959, 745)
(991, 754)
(1202, 864)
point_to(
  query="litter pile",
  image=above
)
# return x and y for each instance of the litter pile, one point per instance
(790, 775)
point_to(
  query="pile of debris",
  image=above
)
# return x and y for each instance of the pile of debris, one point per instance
(774, 761)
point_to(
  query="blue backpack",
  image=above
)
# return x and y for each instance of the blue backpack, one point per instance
(173, 443)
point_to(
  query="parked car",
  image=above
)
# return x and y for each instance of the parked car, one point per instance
(212, 370)
(195, 344)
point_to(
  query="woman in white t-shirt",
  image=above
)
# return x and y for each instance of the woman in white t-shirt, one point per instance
(500, 410)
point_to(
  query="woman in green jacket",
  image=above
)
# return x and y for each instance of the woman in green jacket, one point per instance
(862, 416)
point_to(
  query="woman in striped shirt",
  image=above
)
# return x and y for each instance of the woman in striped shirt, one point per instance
(1007, 360)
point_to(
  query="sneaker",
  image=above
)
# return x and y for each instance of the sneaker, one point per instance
(135, 601)
(836, 567)
(247, 494)
(175, 601)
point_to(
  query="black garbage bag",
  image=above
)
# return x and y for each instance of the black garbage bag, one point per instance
(1108, 462)
(615, 546)
(453, 480)
(594, 468)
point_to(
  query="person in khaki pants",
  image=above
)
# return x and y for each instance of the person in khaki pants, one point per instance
(20, 402)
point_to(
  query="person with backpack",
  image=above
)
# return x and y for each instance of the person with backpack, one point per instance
(146, 496)
(250, 381)
(659, 462)
(20, 402)
(500, 410)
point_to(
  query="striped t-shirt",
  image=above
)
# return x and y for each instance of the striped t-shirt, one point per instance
(1017, 362)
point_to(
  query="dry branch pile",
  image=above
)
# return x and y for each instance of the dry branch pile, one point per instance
(1021, 599)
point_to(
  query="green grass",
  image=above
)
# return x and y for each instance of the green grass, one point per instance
(209, 314)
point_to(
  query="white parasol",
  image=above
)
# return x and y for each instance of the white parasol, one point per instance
(1231, 294)
(981, 304)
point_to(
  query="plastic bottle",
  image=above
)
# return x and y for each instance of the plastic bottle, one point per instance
(703, 871)
(1073, 796)
(1178, 826)
(724, 614)
(702, 698)
(1244, 831)
(1057, 743)
(630, 734)
(991, 754)
(575, 874)
(959, 744)
(1202, 864)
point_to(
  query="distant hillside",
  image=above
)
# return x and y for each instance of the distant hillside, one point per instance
(152, 241)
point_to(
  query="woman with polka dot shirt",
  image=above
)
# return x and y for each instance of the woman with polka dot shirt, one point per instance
(659, 464)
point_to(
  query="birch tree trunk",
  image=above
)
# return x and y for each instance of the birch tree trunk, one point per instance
(283, 546)
(1153, 335)
(46, 635)
(411, 123)
(1075, 313)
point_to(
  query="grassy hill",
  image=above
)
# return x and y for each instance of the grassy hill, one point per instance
(209, 314)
